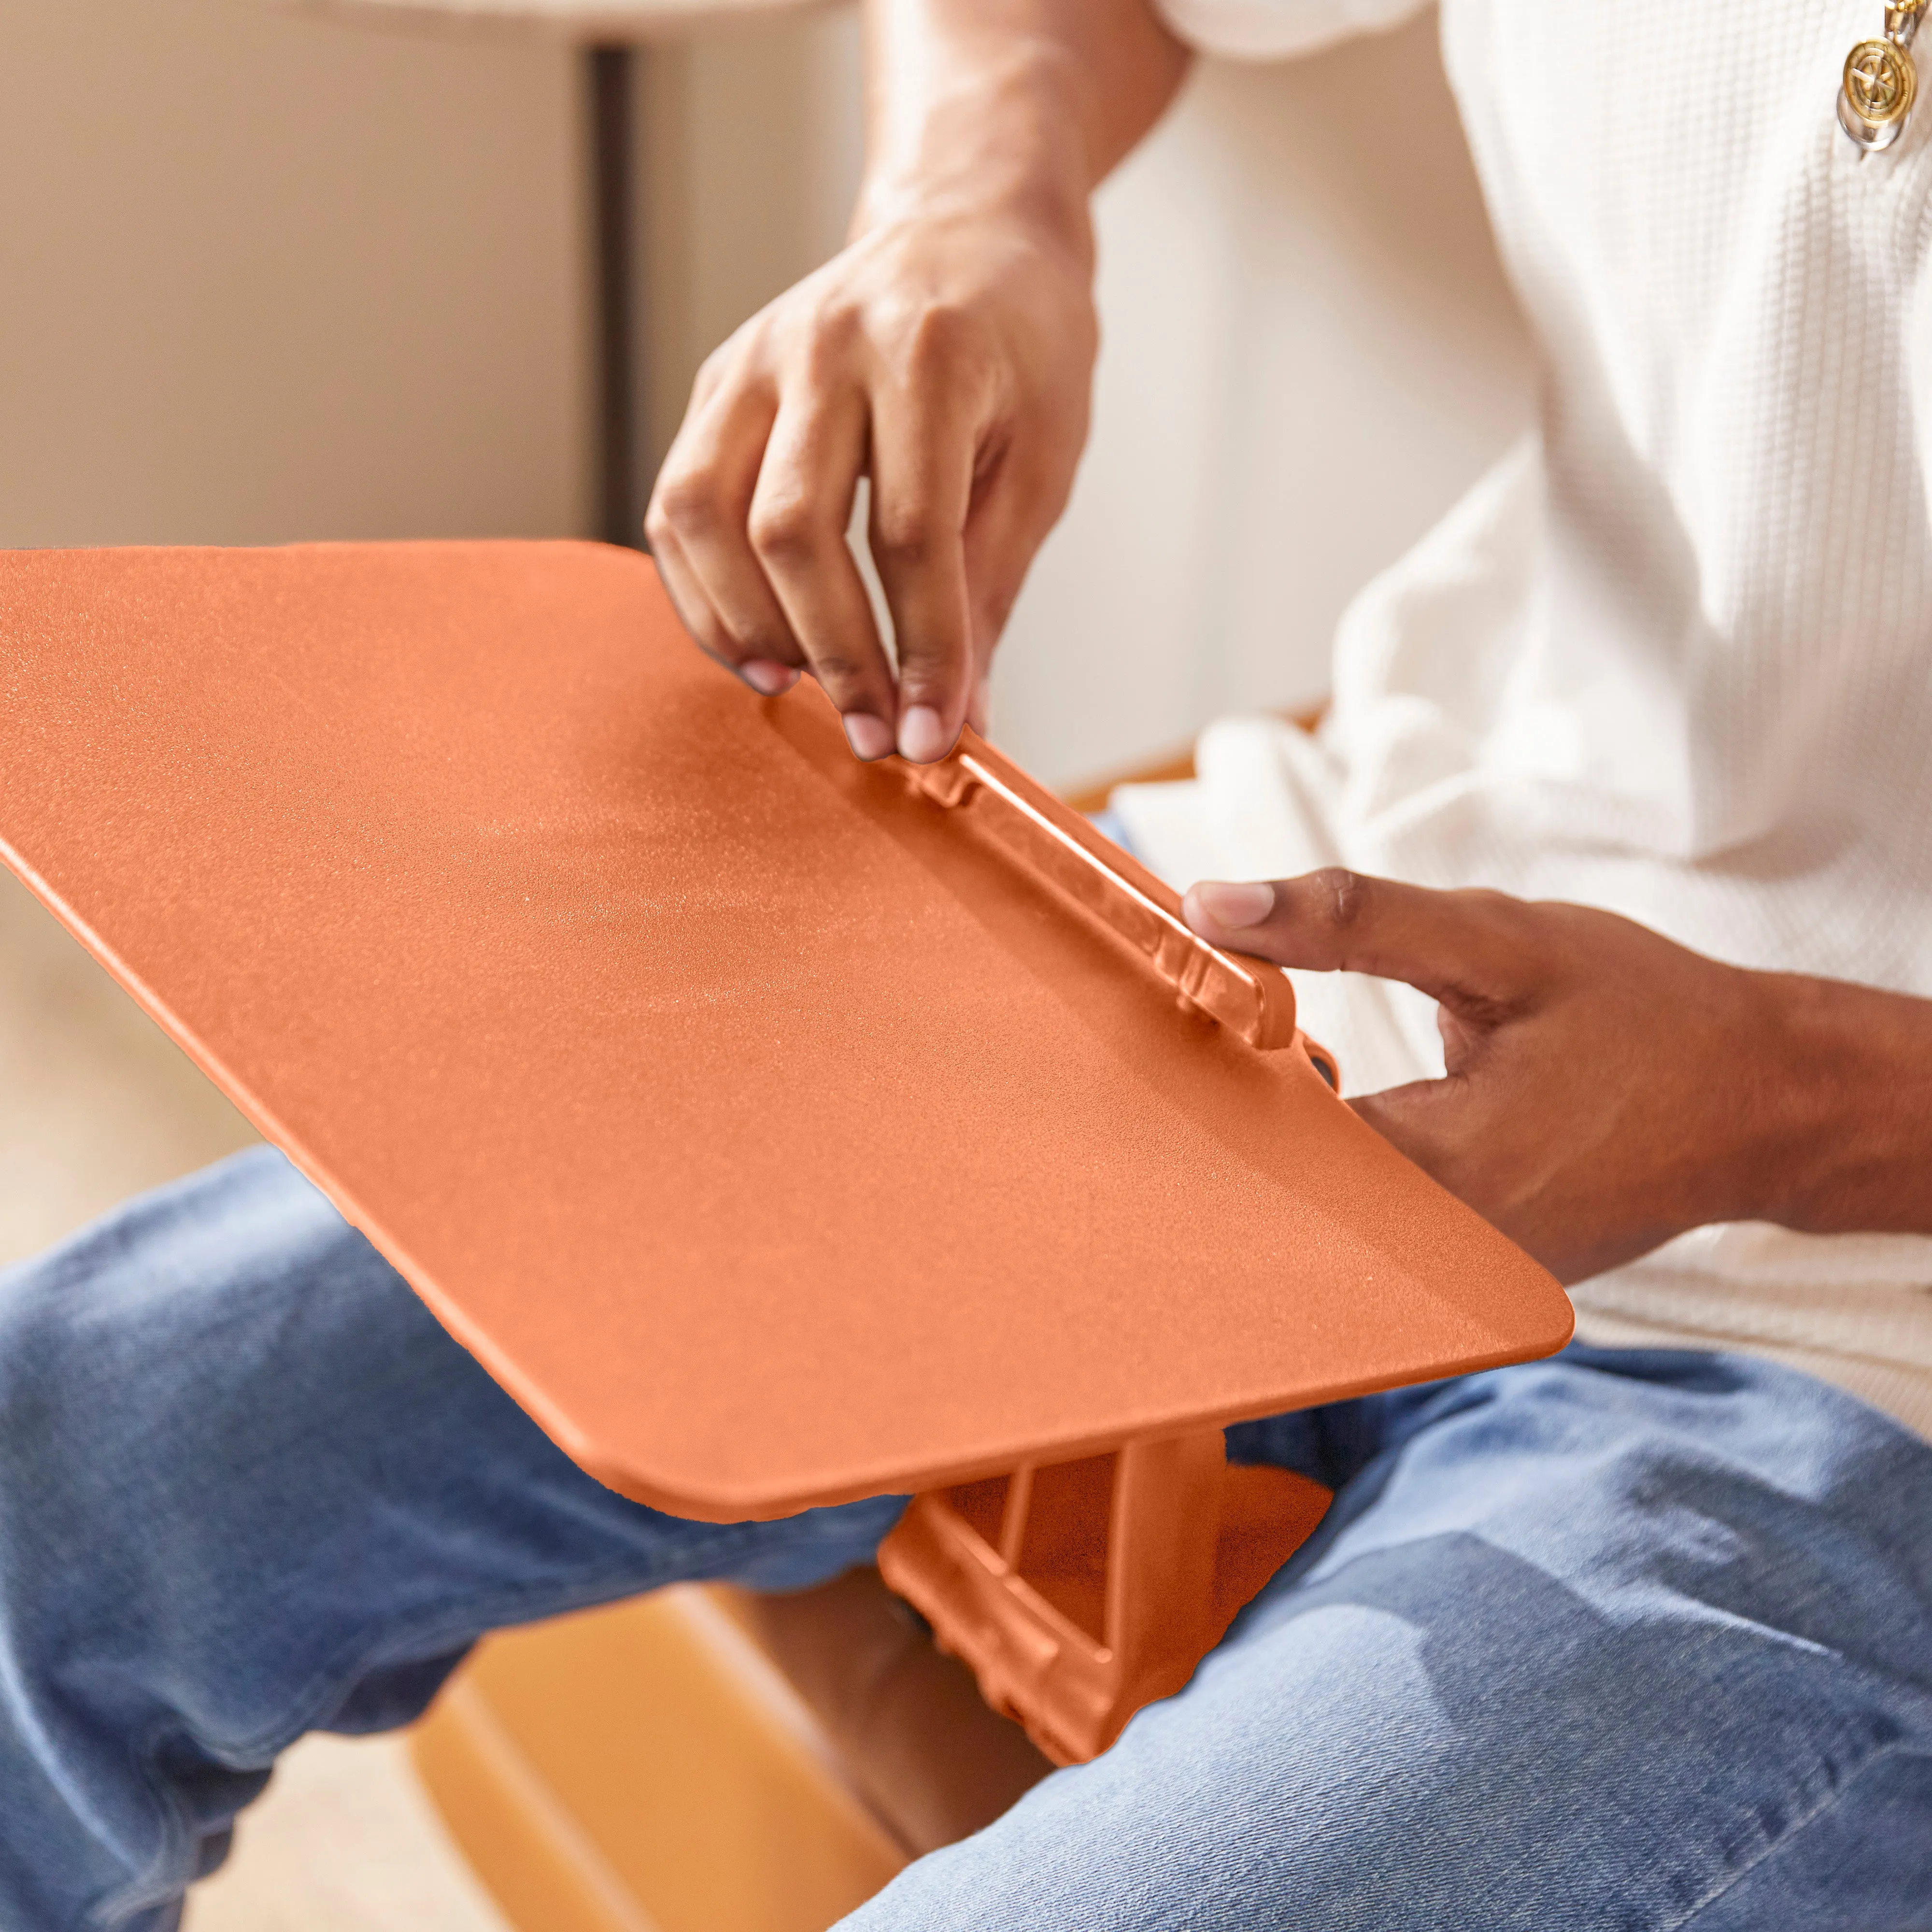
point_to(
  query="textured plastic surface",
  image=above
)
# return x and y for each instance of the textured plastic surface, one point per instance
(769, 1134)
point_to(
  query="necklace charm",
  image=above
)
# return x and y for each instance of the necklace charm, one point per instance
(1881, 82)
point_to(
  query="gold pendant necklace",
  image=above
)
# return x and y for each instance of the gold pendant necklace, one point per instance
(1880, 81)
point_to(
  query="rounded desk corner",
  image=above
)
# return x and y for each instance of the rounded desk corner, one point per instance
(689, 1499)
(1564, 1329)
(1544, 1318)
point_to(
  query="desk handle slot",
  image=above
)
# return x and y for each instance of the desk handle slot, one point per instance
(1251, 997)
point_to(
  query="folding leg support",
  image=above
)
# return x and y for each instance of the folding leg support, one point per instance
(1079, 1592)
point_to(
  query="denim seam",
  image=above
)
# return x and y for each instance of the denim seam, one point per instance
(496, 1613)
(1823, 1808)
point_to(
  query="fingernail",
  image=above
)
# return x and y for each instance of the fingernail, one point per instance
(869, 737)
(768, 676)
(1235, 907)
(922, 735)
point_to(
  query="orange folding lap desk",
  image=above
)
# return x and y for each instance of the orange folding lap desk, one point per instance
(777, 1130)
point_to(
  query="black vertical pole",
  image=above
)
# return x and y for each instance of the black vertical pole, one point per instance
(619, 514)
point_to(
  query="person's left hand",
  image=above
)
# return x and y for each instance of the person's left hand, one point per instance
(1606, 1089)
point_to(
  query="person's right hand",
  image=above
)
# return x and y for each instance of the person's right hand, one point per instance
(947, 354)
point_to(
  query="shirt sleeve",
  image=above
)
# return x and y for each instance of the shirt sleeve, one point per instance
(1272, 29)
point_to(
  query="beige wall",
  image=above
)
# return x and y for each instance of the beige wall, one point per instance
(1310, 353)
(265, 275)
(751, 151)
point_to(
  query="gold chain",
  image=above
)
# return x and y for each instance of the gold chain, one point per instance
(1881, 82)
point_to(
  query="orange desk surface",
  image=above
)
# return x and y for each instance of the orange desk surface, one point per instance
(773, 1140)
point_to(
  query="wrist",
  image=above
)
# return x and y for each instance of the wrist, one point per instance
(1003, 144)
(1851, 1150)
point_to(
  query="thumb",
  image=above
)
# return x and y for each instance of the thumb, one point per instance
(1472, 951)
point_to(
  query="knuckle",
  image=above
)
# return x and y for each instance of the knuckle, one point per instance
(903, 536)
(843, 677)
(1510, 918)
(937, 335)
(685, 504)
(924, 338)
(835, 667)
(836, 328)
(738, 363)
(786, 530)
(1342, 897)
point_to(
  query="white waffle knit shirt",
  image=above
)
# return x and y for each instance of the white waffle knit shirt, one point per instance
(1673, 656)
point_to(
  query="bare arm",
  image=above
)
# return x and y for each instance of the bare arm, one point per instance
(947, 353)
(1052, 93)
(1857, 1144)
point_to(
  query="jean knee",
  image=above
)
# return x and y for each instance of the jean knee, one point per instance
(140, 1360)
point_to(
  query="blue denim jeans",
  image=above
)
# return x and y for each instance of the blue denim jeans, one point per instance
(1626, 1640)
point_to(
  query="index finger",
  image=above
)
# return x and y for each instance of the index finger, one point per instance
(799, 514)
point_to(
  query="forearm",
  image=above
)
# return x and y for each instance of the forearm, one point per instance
(1855, 1144)
(1031, 102)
